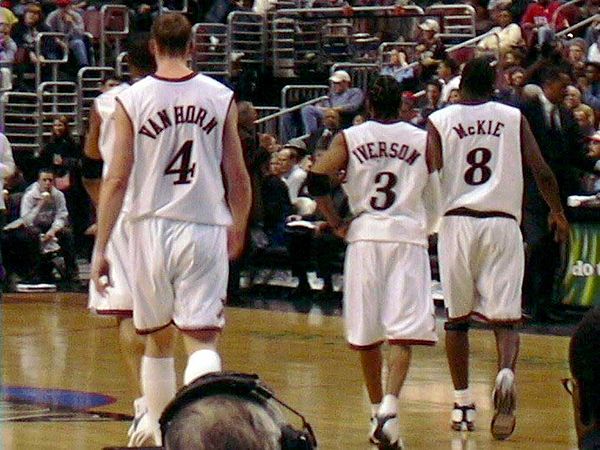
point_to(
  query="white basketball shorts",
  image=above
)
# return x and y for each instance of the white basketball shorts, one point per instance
(118, 300)
(387, 295)
(481, 267)
(180, 274)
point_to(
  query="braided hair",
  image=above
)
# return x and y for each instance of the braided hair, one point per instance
(384, 97)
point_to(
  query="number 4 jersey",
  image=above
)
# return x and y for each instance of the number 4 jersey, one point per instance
(178, 147)
(385, 181)
(482, 163)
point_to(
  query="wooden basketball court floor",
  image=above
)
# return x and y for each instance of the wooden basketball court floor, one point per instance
(51, 341)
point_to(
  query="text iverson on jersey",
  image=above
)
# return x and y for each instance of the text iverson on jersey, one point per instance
(382, 149)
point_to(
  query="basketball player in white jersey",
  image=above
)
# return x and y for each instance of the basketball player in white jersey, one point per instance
(387, 280)
(118, 301)
(478, 148)
(179, 154)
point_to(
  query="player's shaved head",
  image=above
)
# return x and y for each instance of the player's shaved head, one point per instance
(172, 33)
(140, 59)
(478, 78)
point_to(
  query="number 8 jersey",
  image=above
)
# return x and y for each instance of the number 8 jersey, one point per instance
(385, 179)
(482, 162)
(178, 146)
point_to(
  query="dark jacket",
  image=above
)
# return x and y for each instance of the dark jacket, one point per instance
(564, 151)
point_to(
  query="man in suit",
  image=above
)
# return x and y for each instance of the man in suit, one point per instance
(563, 147)
(322, 137)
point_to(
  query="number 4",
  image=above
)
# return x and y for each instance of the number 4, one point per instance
(185, 172)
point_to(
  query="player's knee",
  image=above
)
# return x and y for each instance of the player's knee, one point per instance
(461, 326)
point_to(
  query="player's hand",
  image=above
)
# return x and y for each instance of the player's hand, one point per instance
(559, 225)
(235, 242)
(100, 273)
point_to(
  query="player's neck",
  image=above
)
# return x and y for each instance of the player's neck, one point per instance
(465, 97)
(172, 67)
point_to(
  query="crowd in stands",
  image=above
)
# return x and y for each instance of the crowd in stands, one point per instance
(284, 221)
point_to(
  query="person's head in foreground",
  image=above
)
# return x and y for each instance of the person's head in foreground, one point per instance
(584, 387)
(478, 79)
(384, 96)
(222, 411)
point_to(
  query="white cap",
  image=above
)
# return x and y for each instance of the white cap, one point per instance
(339, 76)
(430, 25)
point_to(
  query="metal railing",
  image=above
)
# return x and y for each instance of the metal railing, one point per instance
(88, 88)
(60, 40)
(210, 48)
(19, 112)
(183, 10)
(247, 37)
(269, 126)
(56, 98)
(269, 120)
(121, 65)
(474, 41)
(560, 9)
(295, 97)
(360, 73)
(117, 17)
(329, 35)
(578, 25)
(385, 48)
(458, 21)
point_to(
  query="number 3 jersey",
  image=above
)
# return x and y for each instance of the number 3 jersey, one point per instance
(385, 179)
(482, 162)
(178, 147)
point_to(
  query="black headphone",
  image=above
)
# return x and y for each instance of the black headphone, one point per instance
(241, 385)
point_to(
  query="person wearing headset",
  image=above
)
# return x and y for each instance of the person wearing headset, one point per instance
(225, 410)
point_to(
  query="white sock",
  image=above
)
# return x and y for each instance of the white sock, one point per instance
(200, 363)
(389, 405)
(463, 397)
(158, 384)
(374, 409)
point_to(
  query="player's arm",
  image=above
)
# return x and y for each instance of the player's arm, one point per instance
(91, 148)
(237, 184)
(92, 151)
(433, 152)
(319, 182)
(545, 180)
(112, 192)
(432, 194)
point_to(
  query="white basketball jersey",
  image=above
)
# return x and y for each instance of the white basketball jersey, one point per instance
(105, 105)
(482, 162)
(385, 179)
(178, 146)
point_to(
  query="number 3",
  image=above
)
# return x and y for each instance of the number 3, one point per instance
(385, 189)
(185, 172)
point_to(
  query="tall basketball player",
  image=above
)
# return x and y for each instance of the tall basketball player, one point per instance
(478, 148)
(100, 145)
(179, 152)
(387, 279)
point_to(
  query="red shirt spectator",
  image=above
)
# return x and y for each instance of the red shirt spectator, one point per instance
(542, 13)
